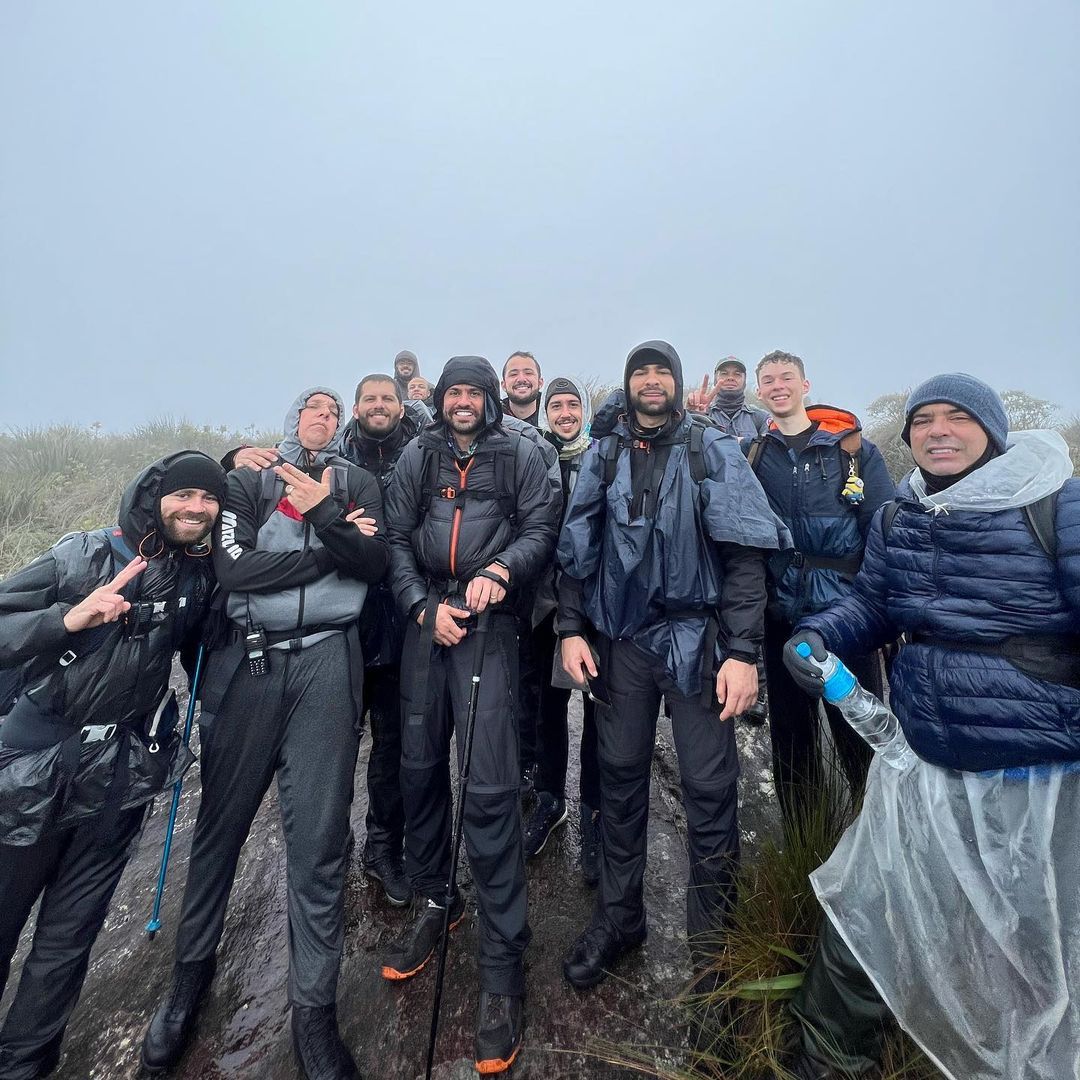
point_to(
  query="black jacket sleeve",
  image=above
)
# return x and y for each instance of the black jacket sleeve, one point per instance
(742, 600)
(32, 613)
(571, 620)
(354, 554)
(237, 563)
(403, 499)
(539, 506)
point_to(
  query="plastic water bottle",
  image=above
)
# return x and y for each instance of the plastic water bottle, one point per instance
(871, 718)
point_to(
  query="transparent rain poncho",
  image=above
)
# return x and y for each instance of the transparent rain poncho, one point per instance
(958, 892)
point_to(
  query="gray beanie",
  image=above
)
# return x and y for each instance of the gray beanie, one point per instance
(966, 392)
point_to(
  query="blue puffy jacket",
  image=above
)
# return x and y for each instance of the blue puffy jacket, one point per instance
(804, 491)
(968, 576)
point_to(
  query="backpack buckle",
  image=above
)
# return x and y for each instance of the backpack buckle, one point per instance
(97, 733)
(448, 492)
(67, 658)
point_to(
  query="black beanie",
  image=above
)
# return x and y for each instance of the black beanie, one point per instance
(560, 386)
(192, 469)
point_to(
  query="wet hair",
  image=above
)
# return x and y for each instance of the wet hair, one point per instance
(525, 355)
(376, 378)
(778, 357)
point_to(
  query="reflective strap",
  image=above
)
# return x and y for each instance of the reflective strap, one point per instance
(97, 732)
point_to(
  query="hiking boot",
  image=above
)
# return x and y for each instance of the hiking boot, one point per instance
(416, 944)
(594, 954)
(528, 781)
(389, 872)
(173, 1024)
(498, 1032)
(591, 851)
(546, 816)
(319, 1051)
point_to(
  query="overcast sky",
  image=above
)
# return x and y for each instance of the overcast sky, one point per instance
(205, 207)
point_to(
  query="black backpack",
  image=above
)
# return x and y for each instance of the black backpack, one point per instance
(505, 455)
(611, 446)
(272, 488)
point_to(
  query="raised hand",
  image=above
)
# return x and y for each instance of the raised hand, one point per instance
(303, 491)
(255, 458)
(365, 524)
(105, 604)
(698, 401)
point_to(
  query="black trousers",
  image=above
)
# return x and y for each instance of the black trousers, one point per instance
(841, 1016)
(386, 811)
(298, 723)
(75, 872)
(529, 689)
(793, 723)
(709, 769)
(552, 734)
(492, 824)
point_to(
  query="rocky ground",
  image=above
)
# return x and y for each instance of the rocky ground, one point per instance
(244, 1031)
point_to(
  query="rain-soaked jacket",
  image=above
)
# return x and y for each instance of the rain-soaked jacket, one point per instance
(804, 491)
(959, 582)
(685, 581)
(119, 674)
(446, 515)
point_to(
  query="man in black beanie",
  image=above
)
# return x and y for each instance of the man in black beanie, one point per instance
(87, 636)
(406, 367)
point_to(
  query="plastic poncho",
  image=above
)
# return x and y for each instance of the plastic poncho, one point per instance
(959, 892)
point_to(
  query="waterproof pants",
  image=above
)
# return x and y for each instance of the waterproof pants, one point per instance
(492, 824)
(75, 872)
(793, 723)
(709, 769)
(840, 1014)
(386, 812)
(553, 739)
(297, 723)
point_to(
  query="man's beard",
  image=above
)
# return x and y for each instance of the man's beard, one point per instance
(182, 535)
(472, 426)
(651, 408)
(376, 433)
(529, 399)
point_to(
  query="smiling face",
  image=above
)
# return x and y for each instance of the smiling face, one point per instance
(463, 408)
(652, 392)
(405, 368)
(318, 422)
(945, 440)
(782, 388)
(188, 515)
(418, 388)
(521, 380)
(730, 377)
(564, 415)
(378, 408)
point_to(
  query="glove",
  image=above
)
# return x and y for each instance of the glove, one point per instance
(806, 675)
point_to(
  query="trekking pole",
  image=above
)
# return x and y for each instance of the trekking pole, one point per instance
(154, 925)
(459, 822)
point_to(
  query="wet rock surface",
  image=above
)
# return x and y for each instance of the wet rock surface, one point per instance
(244, 1029)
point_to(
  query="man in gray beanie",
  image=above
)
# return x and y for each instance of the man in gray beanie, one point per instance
(977, 562)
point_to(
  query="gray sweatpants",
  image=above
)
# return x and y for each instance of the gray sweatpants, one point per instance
(299, 723)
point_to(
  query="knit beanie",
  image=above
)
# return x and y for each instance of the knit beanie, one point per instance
(966, 392)
(193, 470)
(560, 386)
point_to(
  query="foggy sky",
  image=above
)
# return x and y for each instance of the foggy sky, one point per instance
(206, 207)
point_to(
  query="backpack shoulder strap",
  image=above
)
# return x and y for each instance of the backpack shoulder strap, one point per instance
(270, 491)
(761, 420)
(696, 438)
(753, 454)
(888, 515)
(506, 456)
(1040, 518)
(429, 477)
(610, 446)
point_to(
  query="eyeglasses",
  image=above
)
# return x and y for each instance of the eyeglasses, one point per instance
(322, 406)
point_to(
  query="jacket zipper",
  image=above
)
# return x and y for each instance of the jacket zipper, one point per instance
(455, 529)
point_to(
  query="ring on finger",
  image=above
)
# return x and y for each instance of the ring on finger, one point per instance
(288, 489)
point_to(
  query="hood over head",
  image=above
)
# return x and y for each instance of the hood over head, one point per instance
(290, 448)
(406, 354)
(140, 506)
(470, 371)
(655, 352)
(581, 441)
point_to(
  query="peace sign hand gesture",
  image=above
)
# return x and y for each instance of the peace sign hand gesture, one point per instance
(698, 401)
(106, 603)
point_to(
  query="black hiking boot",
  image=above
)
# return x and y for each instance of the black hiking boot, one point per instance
(319, 1051)
(498, 1032)
(389, 872)
(416, 944)
(594, 954)
(591, 851)
(546, 816)
(173, 1024)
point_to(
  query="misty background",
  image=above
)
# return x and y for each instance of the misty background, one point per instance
(206, 207)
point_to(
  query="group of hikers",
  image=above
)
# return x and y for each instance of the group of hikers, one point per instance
(475, 563)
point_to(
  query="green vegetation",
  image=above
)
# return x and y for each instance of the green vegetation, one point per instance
(62, 478)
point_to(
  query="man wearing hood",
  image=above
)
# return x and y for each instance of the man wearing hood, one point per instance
(472, 518)
(825, 481)
(566, 427)
(663, 567)
(977, 562)
(296, 549)
(87, 739)
(406, 367)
